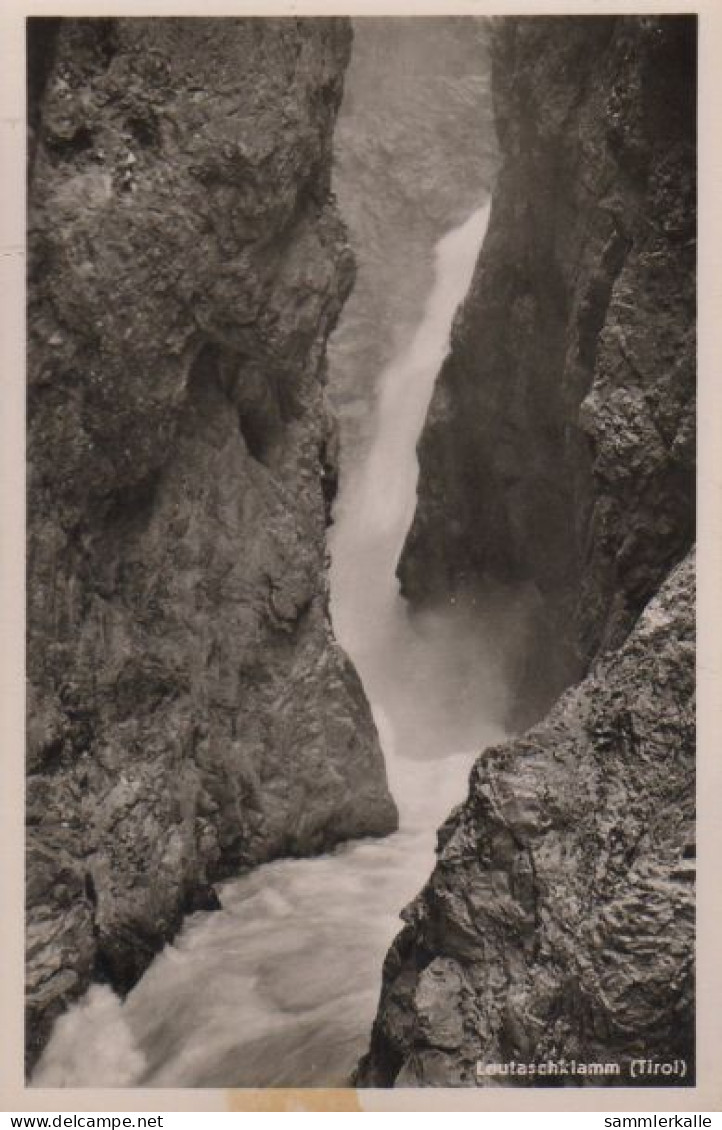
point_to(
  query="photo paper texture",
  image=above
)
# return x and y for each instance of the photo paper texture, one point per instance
(361, 491)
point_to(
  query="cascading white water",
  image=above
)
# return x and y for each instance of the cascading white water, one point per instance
(432, 680)
(280, 987)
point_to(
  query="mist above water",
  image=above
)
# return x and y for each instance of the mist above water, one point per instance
(414, 153)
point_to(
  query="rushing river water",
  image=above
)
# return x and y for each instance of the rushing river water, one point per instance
(281, 986)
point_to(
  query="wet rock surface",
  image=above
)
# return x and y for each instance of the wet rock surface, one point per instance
(189, 712)
(559, 453)
(559, 448)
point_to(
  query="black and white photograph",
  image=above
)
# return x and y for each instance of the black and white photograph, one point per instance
(360, 579)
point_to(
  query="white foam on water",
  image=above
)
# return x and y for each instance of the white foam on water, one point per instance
(92, 1045)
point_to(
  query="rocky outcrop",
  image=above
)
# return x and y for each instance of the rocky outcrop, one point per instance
(189, 711)
(559, 448)
(558, 923)
(558, 455)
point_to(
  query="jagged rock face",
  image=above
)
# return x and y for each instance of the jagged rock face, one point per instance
(558, 923)
(189, 710)
(559, 448)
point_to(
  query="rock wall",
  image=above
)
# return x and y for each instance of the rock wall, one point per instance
(559, 453)
(559, 449)
(558, 923)
(189, 712)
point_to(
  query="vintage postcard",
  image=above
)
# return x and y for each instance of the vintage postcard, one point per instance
(352, 487)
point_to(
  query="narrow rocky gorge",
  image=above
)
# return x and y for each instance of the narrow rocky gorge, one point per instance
(559, 453)
(189, 711)
(191, 714)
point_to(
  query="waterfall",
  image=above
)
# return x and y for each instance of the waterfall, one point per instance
(376, 506)
(281, 986)
(433, 680)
